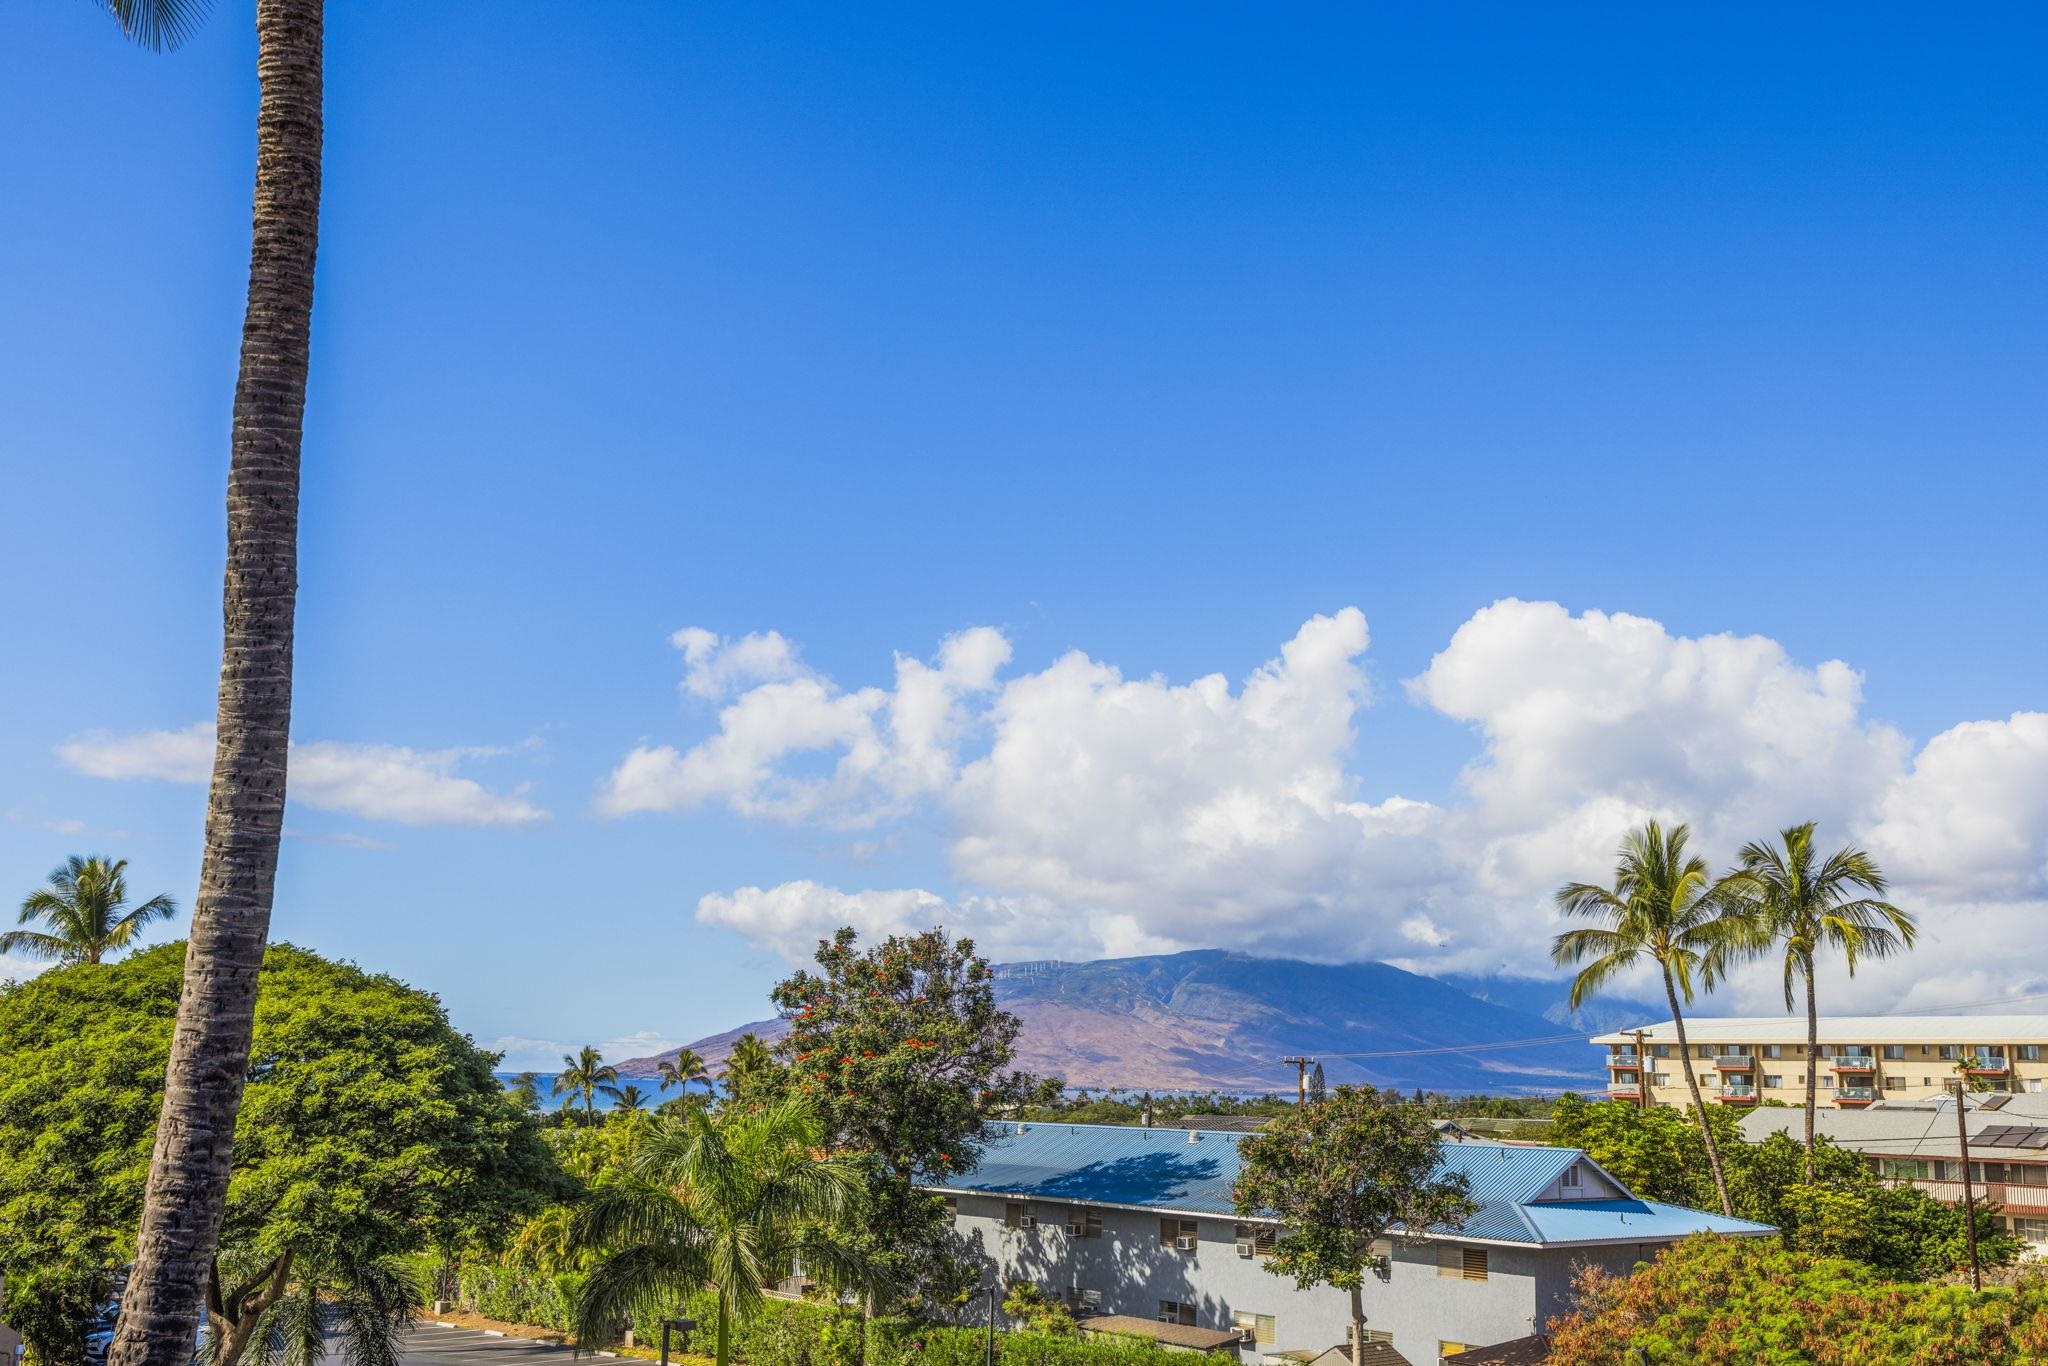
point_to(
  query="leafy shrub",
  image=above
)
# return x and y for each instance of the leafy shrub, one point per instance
(1739, 1302)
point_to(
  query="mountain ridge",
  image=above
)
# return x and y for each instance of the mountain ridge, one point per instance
(1215, 1019)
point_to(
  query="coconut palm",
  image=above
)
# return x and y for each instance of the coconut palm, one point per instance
(627, 1099)
(1794, 900)
(749, 1060)
(730, 1205)
(585, 1076)
(82, 906)
(188, 1175)
(685, 1067)
(1665, 908)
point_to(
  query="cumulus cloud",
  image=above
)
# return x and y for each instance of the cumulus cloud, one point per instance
(881, 748)
(377, 782)
(1085, 812)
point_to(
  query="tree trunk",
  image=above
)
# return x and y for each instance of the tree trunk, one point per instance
(1698, 1105)
(724, 1330)
(1812, 1057)
(209, 1059)
(232, 1319)
(1358, 1322)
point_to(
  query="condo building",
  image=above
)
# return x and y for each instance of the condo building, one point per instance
(1860, 1059)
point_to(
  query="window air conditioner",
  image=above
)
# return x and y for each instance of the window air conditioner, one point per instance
(1184, 1243)
(1246, 1247)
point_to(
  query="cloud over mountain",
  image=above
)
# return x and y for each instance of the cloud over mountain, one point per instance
(1084, 812)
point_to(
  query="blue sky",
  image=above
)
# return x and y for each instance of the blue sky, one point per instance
(1153, 335)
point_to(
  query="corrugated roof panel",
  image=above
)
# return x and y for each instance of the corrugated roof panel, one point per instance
(1607, 1221)
(1162, 1169)
(1865, 1029)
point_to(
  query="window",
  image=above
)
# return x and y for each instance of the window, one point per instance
(1894, 1083)
(1461, 1262)
(2033, 1230)
(1950, 1052)
(1894, 1051)
(1827, 1083)
(1772, 1079)
(1180, 1233)
(1662, 1050)
(1661, 1079)
(1570, 1180)
(1173, 1311)
(952, 1207)
(1255, 1327)
(1084, 1223)
(1015, 1214)
(2034, 1086)
(1705, 1050)
(1927, 1081)
(1255, 1240)
(1084, 1299)
(1773, 1050)
(1903, 1168)
(2030, 1052)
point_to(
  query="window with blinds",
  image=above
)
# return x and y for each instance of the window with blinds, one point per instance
(1259, 1328)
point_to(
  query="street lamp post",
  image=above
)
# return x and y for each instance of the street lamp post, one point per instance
(991, 1324)
(680, 1325)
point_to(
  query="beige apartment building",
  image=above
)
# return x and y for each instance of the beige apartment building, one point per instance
(1862, 1059)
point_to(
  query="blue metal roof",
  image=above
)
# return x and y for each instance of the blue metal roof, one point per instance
(1173, 1171)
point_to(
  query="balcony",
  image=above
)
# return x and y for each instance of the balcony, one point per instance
(1986, 1066)
(1624, 1090)
(1625, 1062)
(1855, 1095)
(1735, 1062)
(1857, 1063)
(1736, 1095)
(2014, 1196)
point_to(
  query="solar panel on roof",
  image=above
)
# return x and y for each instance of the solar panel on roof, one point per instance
(2012, 1136)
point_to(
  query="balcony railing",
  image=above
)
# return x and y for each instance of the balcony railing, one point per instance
(1735, 1062)
(2011, 1194)
(1625, 1061)
(1989, 1066)
(1738, 1095)
(1626, 1090)
(1855, 1095)
(1854, 1063)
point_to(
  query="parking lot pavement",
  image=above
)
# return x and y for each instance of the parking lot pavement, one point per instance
(430, 1344)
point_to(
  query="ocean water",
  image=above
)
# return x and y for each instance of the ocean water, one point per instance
(651, 1086)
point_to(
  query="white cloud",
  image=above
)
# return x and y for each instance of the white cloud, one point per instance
(1088, 813)
(60, 825)
(377, 782)
(15, 969)
(883, 748)
(526, 1054)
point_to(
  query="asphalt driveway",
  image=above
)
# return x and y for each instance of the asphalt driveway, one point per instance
(429, 1344)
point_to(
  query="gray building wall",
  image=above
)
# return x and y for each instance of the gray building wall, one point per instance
(1133, 1273)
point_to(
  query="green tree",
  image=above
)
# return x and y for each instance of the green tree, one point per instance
(907, 1056)
(1792, 900)
(628, 1099)
(370, 1129)
(730, 1204)
(82, 905)
(1024, 1302)
(751, 1064)
(525, 1091)
(585, 1076)
(685, 1067)
(1663, 908)
(186, 1201)
(1339, 1174)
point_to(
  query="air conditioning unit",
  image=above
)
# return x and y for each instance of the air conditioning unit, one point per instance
(1246, 1247)
(1184, 1243)
(1027, 1221)
(1091, 1299)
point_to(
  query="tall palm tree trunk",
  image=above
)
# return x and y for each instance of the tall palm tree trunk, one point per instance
(1699, 1106)
(188, 1173)
(1812, 1058)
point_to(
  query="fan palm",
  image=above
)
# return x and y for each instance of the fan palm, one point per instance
(585, 1076)
(685, 1067)
(186, 1195)
(1795, 900)
(1665, 908)
(731, 1205)
(82, 906)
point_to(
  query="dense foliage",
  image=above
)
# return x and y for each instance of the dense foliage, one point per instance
(370, 1128)
(906, 1056)
(1744, 1302)
(1340, 1173)
(1846, 1211)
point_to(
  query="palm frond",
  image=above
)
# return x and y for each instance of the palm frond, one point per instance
(157, 24)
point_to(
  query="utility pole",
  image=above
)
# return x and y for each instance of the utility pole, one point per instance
(1642, 1073)
(1969, 1194)
(1301, 1066)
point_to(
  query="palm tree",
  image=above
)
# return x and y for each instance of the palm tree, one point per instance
(1663, 907)
(1791, 897)
(685, 1067)
(749, 1060)
(627, 1099)
(188, 1174)
(294, 1307)
(585, 1076)
(82, 906)
(730, 1205)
